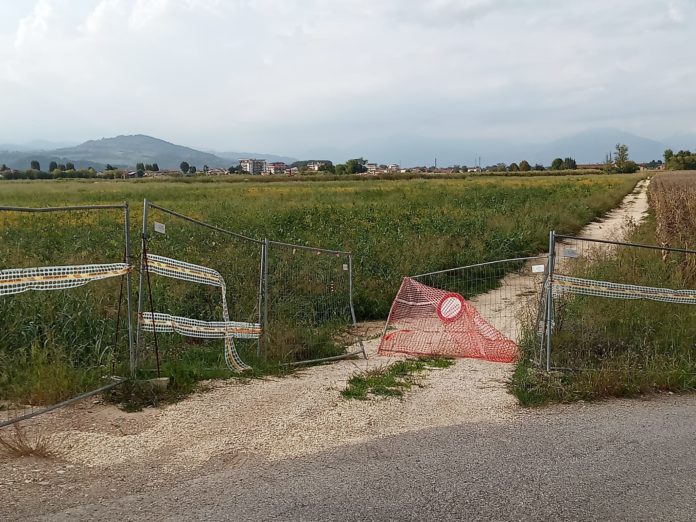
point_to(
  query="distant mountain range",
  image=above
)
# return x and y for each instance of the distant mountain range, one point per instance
(590, 146)
(126, 151)
(234, 157)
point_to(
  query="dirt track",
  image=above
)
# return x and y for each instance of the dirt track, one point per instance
(105, 450)
(504, 305)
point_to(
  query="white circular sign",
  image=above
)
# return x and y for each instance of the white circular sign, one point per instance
(450, 307)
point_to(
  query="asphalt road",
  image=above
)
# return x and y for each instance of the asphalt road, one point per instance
(620, 460)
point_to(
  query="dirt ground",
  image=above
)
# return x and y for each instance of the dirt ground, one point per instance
(104, 451)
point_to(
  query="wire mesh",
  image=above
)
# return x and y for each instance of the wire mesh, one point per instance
(504, 295)
(621, 305)
(64, 289)
(202, 279)
(309, 311)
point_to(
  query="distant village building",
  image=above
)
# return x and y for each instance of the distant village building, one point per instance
(253, 166)
(276, 167)
(591, 166)
(314, 166)
(393, 167)
(371, 167)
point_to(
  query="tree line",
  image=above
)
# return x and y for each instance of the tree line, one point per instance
(618, 162)
(682, 160)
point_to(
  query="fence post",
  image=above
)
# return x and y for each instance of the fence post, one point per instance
(129, 295)
(549, 298)
(265, 297)
(141, 293)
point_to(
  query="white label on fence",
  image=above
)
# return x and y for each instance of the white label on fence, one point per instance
(345, 267)
(537, 269)
(159, 227)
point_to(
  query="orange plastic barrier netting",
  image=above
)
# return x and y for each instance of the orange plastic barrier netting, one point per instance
(428, 321)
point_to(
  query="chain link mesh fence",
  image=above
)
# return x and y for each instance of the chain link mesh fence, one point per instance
(202, 278)
(308, 309)
(620, 305)
(64, 302)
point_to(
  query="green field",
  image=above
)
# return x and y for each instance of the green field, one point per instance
(393, 227)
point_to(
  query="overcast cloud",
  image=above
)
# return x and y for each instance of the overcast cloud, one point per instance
(291, 76)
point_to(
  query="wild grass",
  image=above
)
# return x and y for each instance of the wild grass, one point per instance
(186, 373)
(16, 442)
(56, 343)
(391, 381)
(625, 348)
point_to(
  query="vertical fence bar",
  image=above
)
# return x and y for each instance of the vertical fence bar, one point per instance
(549, 298)
(350, 299)
(141, 285)
(260, 307)
(265, 297)
(541, 325)
(350, 286)
(129, 295)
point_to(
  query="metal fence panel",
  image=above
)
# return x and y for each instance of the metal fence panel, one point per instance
(619, 304)
(309, 314)
(226, 288)
(65, 303)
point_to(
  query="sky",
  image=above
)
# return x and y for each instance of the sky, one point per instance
(299, 77)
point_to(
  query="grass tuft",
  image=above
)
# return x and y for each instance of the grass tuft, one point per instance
(16, 443)
(391, 381)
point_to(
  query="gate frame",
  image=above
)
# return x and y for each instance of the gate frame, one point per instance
(263, 283)
(147, 204)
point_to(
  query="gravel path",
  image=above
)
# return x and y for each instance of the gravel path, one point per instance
(297, 415)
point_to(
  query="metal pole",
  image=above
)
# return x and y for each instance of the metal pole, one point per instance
(549, 300)
(62, 209)
(541, 324)
(259, 316)
(350, 296)
(152, 306)
(621, 243)
(477, 265)
(350, 286)
(141, 285)
(129, 293)
(73, 400)
(265, 298)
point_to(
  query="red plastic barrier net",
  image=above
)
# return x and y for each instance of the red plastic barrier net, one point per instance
(428, 321)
